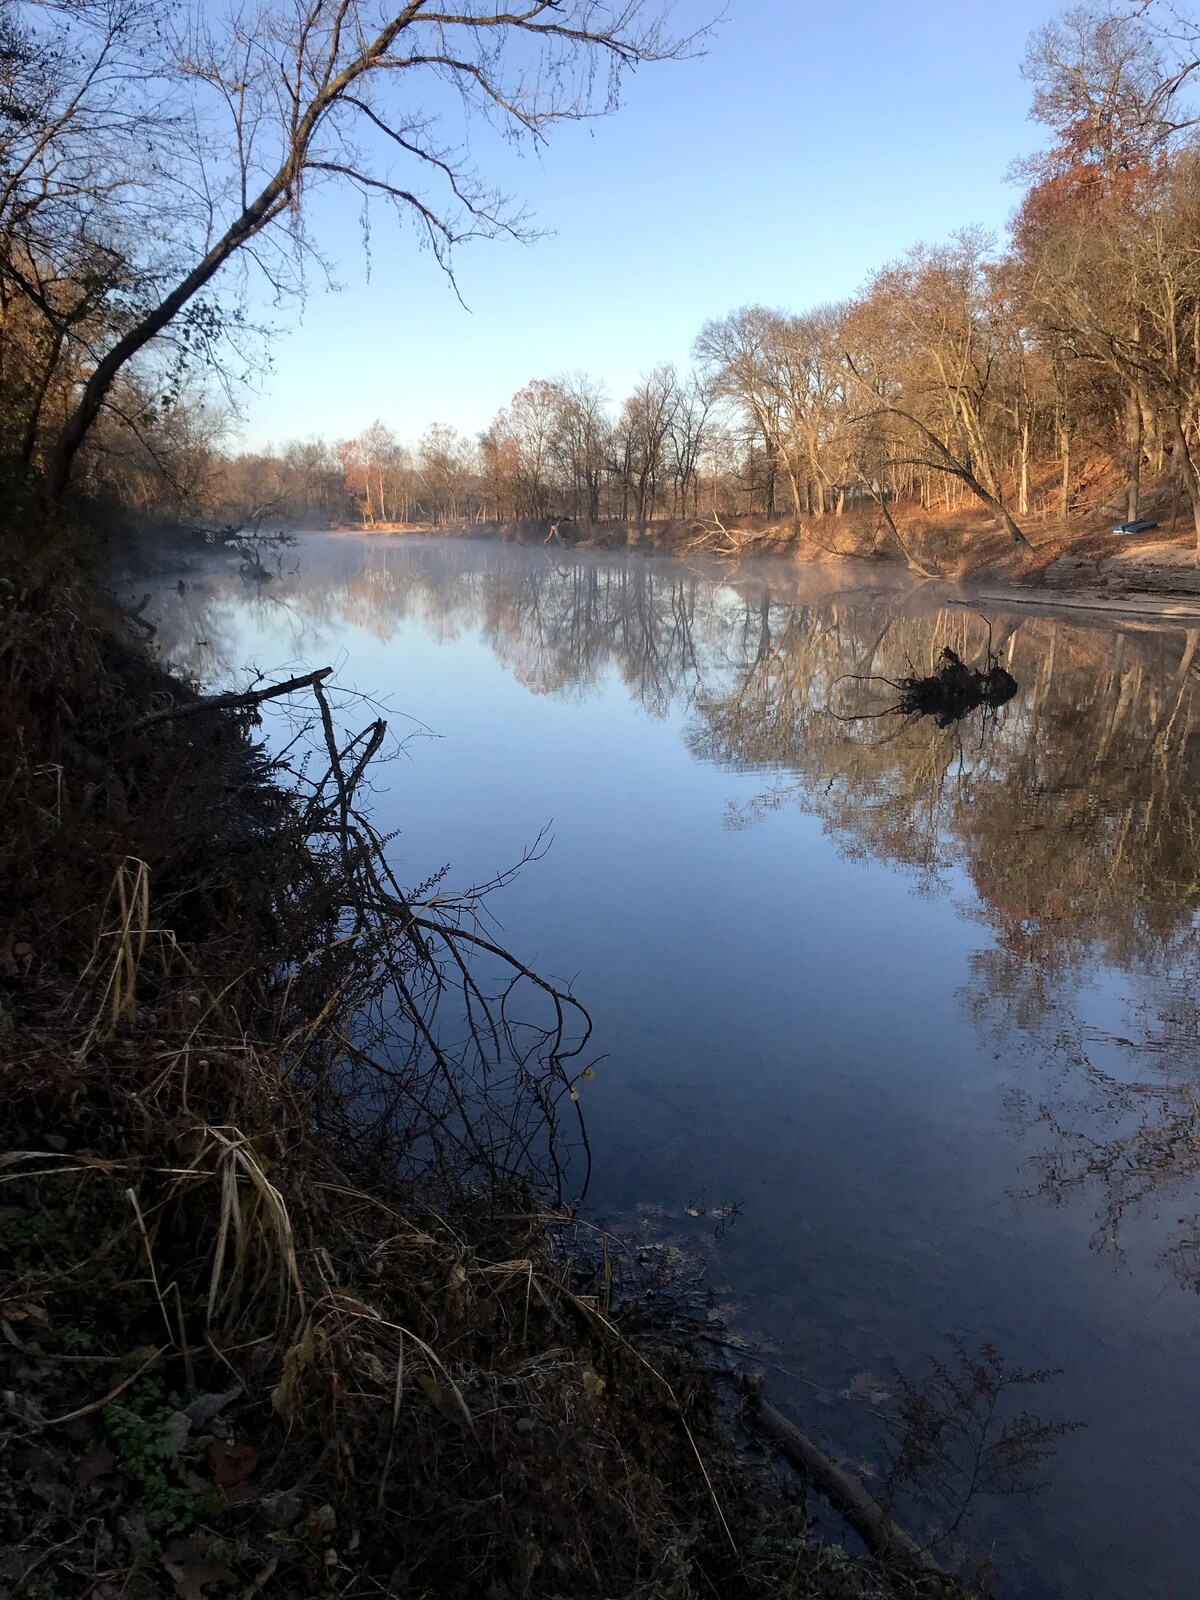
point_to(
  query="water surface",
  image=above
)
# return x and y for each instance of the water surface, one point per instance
(920, 1002)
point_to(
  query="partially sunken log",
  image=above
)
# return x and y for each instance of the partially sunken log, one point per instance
(885, 1539)
(954, 690)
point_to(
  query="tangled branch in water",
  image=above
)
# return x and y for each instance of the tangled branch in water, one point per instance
(948, 694)
(440, 1050)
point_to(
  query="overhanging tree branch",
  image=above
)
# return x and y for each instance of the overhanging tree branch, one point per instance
(293, 91)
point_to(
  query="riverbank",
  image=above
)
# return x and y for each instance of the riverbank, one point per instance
(274, 1320)
(1081, 564)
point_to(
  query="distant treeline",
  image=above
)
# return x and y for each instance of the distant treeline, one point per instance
(1056, 376)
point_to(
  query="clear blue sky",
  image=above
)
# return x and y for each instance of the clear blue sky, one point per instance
(814, 141)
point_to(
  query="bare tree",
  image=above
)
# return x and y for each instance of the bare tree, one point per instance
(641, 434)
(581, 441)
(687, 436)
(927, 352)
(738, 354)
(446, 466)
(266, 106)
(784, 374)
(1103, 87)
(1125, 296)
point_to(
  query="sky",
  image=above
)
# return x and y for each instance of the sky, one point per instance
(813, 142)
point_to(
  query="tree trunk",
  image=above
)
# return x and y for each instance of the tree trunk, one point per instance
(33, 423)
(1133, 441)
(794, 486)
(254, 218)
(1187, 470)
(1000, 512)
(817, 491)
(1023, 483)
(1003, 516)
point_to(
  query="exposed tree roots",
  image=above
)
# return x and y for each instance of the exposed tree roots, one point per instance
(954, 690)
(948, 694)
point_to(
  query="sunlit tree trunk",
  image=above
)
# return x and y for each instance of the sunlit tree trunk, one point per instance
(1133, 444)
(1186, 466)
(1064, 448)
(1023, 475)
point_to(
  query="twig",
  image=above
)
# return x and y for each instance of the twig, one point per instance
(99, 1405)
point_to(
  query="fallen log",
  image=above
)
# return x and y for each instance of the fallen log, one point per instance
(953, 689)
(885, 1539)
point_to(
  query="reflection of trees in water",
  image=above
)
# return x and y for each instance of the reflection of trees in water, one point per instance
(1116, 1113)
(201, 626)
(1073, 812)
(558, 628)
(1075, 817)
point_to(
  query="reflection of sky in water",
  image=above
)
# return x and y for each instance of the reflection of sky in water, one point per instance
(791, 1022)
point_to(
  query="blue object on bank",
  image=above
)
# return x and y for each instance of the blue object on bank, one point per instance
(1134, 527)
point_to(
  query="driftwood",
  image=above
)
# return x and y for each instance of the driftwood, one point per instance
(714, 536)
(948, 694)
(886, 1541)
(234, 701)
(954, 690)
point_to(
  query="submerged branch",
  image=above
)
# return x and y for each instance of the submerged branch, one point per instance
(884, 1538)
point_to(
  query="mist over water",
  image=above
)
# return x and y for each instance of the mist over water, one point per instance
(919, 1002)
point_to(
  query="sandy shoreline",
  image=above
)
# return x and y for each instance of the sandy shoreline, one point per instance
(1184, 609)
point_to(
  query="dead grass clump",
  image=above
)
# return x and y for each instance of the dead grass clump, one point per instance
(230, 1362)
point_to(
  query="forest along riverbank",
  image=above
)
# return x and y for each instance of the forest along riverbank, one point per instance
(281, 1305)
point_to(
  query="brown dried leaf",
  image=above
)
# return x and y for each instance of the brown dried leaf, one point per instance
(297, 1360)
(231, 1462)
(192, 1565)
(866, 1386)
(23, 1311)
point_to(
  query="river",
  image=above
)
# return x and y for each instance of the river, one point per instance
(899, 1023)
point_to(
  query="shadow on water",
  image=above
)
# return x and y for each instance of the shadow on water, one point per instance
(1055, 803)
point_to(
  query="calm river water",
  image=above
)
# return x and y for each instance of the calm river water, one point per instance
(921, 1003)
